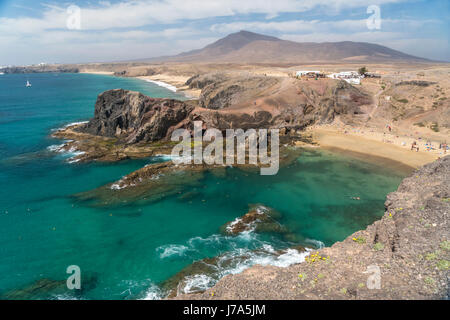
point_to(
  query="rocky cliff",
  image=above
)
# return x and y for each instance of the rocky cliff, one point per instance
(240, 100)
(125, 123)
(227, 101)
(405, 255)
(133, 117)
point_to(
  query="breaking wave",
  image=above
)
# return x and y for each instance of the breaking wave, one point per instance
(163, 84)
(172, 250)
(238, 254)
(316, 243)
(72, 153)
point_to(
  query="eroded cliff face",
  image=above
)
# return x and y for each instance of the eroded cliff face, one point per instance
(226, 102)
(128, 124)
(405, 255)
(246, 101)
(134, 117)
(220, 91)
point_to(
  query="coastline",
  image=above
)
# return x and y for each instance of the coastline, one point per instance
(349, 144)
(172, 83)
(370, 145)
(372, 142)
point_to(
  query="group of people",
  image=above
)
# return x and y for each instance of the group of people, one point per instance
(428, 145)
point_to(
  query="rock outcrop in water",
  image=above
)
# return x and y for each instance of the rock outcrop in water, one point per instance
(259, 219)
(201, 274)
(49, 289)
(405, 255)
(133, 117)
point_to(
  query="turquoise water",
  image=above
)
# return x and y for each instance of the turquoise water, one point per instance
(126, 252)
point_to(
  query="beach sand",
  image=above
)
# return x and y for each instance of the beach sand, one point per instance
(177, 81)
(106, 73)
(376, 144)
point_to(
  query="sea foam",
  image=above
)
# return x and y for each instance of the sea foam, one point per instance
(163, 84)
(239, 257)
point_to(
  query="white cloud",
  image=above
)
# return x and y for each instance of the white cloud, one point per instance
(124, 30)
(317, 26)
(294, 26)
(140, 13)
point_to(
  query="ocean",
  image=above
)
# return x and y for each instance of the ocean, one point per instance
(128, 251)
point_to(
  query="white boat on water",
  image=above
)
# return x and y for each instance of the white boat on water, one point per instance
(28, 84)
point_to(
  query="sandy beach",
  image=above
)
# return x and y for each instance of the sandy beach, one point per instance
(179, 82)
(377, 144)
(106, 73)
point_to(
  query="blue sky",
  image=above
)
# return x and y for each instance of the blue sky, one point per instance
(34, 32)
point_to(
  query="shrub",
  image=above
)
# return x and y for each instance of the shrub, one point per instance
(434, 126)
(359, 240)
(443, 265)
(429, 280)
(362, 70)
(445, 245)
(431, 256)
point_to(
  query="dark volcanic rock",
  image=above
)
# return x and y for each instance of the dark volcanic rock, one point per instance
(259, 218)
(202, 274)
(49, 289)
(134, 117)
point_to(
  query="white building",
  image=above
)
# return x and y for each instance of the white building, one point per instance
(307, 73)
(351, 77)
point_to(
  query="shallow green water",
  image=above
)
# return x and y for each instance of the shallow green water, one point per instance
(125, 252)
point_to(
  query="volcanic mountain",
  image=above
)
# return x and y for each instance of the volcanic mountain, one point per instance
(249, 47)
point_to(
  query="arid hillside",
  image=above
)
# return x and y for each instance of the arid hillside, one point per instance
(245, 46)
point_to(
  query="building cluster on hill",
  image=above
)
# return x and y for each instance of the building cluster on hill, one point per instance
(352, 77)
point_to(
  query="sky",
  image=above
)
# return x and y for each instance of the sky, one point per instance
(33, 32)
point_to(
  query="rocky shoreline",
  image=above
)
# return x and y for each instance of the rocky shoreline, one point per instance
(408, 245)
(405, 255)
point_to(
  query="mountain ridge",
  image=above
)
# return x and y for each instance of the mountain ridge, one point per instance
(249, 47)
